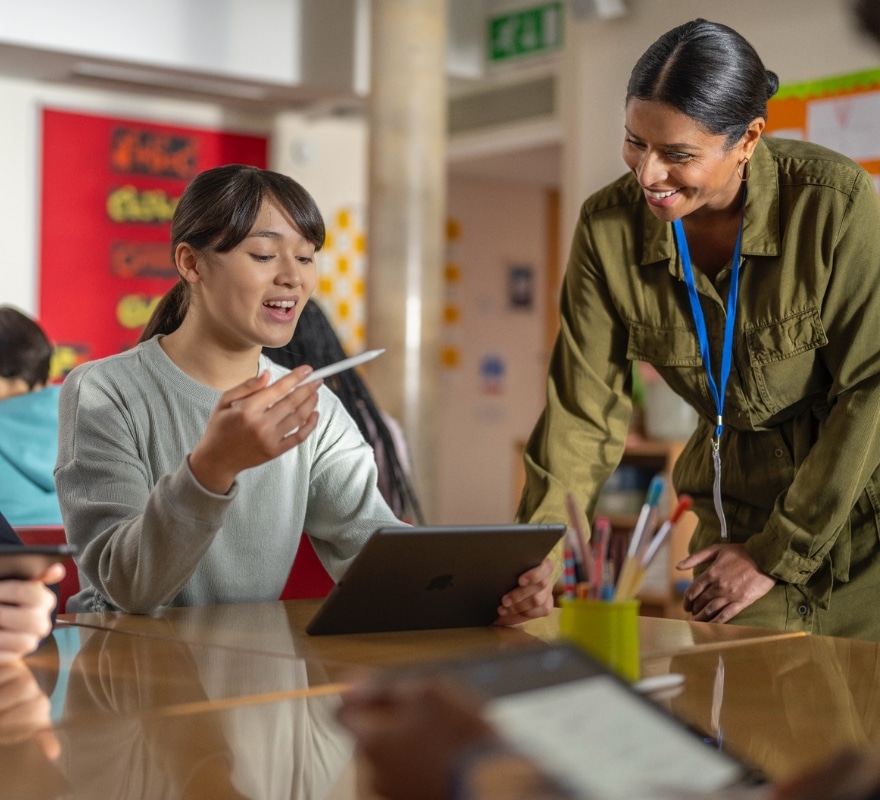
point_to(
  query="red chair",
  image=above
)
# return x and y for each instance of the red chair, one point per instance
(307, 578)
(52, 534)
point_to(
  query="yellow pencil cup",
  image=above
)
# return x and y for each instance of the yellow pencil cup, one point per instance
(607, 629)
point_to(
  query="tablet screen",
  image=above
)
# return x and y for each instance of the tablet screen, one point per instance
(607, 743)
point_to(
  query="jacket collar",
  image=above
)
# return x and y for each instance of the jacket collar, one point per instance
(760, 229)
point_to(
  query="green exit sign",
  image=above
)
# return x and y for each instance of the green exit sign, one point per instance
(526, 31)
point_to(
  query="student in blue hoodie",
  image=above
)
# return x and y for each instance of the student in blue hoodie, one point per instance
(28, 423)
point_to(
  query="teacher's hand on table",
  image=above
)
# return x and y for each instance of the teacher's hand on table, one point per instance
(731, 582)
(531, 599)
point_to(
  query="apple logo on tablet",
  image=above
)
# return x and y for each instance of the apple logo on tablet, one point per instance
(440, 582)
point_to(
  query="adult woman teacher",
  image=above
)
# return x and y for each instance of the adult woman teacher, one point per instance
(746, 270)
(189, 466)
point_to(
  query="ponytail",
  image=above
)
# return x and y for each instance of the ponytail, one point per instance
(168, 315)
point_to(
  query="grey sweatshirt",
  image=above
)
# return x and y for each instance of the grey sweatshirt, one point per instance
(151, 536)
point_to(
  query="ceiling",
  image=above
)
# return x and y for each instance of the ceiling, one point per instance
(72, 69)
(539, 164)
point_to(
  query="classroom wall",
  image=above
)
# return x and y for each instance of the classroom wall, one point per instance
(492, 395)
(21, 101)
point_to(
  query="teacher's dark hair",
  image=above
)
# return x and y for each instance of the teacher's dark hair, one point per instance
(708, 72)
(217, 211)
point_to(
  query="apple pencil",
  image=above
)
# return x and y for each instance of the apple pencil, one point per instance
(340, 366)
(330, 369)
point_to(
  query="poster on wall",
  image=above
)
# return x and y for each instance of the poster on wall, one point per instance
(108, 189)
(842, 113)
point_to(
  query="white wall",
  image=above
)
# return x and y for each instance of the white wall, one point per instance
(500, 224)
(251, 39)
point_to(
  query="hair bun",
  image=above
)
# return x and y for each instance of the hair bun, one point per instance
(772, 83)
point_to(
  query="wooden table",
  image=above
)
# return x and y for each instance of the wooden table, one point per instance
(236, 701)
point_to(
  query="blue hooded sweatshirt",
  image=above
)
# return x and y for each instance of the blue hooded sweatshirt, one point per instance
(28, 451)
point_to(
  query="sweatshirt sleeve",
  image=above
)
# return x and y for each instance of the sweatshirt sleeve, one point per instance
(343, 470)
(139, 544)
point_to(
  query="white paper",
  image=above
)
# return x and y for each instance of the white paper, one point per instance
(607, 744)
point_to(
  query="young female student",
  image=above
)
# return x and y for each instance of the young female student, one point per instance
(746, 270)
(190, 465)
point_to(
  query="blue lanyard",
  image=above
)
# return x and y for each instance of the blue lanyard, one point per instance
(718, 390)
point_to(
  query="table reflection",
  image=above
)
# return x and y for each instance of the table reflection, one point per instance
(143, 717)
(26, 737)
(787, 704)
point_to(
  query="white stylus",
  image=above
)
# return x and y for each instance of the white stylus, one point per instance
(339, 366)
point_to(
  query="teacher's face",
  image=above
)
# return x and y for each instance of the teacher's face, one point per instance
(681, 168)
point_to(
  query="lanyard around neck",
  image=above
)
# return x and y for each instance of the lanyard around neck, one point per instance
(718, 389)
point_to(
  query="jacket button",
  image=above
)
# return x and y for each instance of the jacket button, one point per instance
(778, 452)
(802, 609)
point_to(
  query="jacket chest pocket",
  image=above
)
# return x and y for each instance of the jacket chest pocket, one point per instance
(782, 357)
(675, 354)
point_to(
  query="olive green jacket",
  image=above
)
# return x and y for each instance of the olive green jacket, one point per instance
(801, 443)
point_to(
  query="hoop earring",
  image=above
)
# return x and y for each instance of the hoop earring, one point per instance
(744, 170)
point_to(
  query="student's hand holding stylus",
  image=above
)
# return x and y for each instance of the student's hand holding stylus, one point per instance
(252, 424)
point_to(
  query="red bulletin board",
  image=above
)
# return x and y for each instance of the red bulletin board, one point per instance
(842, 113)
(108, 189)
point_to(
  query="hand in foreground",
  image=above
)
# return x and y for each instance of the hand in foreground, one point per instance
(252, 424)
(531, 599)
(731, 582)
(26, 613)
(413, 732)
(850, 775)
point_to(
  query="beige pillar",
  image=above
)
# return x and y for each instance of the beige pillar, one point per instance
(407, 210)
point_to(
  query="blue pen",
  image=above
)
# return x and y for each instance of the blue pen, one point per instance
(624, 580)
(655, 489)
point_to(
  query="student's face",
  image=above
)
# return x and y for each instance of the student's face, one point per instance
(681, 168)
(254, 294)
